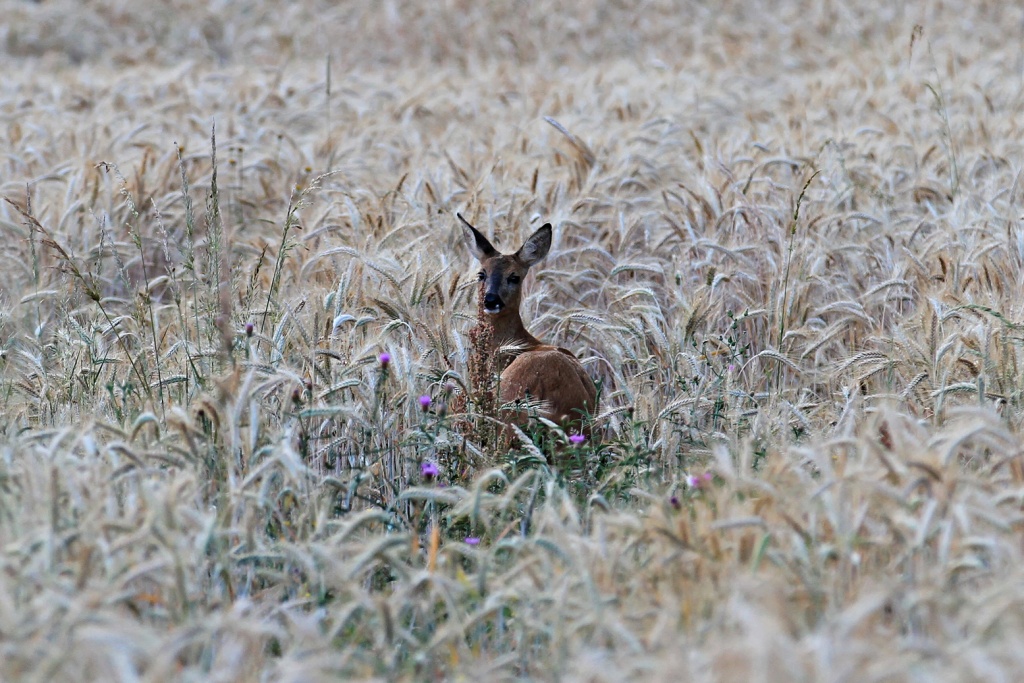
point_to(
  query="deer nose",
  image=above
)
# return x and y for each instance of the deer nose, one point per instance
(492, 302)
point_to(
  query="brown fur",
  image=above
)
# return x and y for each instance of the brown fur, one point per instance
(556, 377)
(530, 370)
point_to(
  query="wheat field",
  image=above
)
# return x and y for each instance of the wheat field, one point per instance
(239, 436)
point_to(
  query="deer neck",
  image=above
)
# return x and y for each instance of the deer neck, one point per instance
(506, 329)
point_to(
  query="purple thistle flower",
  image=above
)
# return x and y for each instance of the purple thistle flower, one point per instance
(576, 439)
(384, 359)
(249, 328)
(429, 469)
(698, 481)
(424, 402)
(674, 501)
(472, 540)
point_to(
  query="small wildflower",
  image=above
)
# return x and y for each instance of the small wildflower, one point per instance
(385, 359)
(249, 328)
(577, 439)
(429, 470)
(695, 481)
(472, 540)
(674, 501)
(425, 403)
(297, 396)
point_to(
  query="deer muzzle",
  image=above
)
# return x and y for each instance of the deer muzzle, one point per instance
(493, 303)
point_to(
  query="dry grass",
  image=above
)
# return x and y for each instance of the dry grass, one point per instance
(788, 241)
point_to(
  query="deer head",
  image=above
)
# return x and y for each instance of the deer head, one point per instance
(502, 274)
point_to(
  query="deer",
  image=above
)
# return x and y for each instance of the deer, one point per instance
(530, 371)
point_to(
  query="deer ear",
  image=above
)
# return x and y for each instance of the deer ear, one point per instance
(535, 248)
(476, 242)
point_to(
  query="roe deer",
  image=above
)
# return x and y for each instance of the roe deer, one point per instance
(529, 369)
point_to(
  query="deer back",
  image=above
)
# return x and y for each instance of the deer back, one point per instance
(556, 378)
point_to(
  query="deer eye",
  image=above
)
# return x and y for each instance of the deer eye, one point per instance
(513, 279)
(481, 276)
